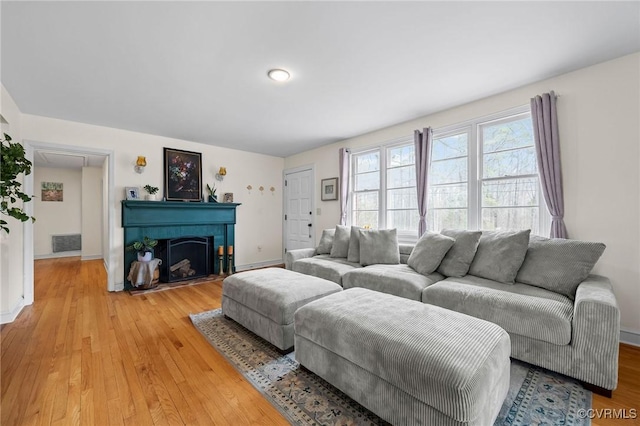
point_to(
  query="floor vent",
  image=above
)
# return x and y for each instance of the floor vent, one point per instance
(70, 242)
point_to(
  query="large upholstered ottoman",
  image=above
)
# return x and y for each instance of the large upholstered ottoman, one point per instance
(264, 301)
(409, 363)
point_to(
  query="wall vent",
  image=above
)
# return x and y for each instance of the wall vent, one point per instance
(70, 242)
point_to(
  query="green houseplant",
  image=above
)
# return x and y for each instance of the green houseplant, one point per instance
(151, 191)
(213, 198)
(144, 248)
(12, 164)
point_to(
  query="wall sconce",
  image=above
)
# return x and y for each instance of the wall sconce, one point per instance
(141, 163)
(221, 173)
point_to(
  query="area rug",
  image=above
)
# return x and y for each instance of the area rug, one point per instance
(536, 396)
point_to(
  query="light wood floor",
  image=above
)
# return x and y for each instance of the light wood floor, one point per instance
(81, 355)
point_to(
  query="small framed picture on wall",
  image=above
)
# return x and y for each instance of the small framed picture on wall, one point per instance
(133, 192)
(329, 189)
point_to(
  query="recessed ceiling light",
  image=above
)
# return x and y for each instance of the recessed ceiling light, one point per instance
(279, 75)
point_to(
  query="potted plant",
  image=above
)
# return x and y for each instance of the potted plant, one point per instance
(144, 248)
(14, 163)
(213, 198)
(151, 192)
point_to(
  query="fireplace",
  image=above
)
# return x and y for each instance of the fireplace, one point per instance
(185, 258)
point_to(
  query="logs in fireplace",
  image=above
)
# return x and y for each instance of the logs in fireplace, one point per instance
(185, 258)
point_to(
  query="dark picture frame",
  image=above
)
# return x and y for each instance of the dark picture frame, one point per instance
(182, 175)
(329, 189)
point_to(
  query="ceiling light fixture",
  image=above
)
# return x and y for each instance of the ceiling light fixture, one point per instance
(279, 74)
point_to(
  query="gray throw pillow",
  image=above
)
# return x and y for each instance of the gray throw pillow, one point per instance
(379, 247)
(458, 260)
(559, 265)
(326, 241)
(500, 255)
(429, 252)
(354, 245)
(340, 242)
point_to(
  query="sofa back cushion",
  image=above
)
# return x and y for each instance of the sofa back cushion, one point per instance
(559, 265)
(500, 255)
(326, 241)
(457, 261)
(429, 252)
(354, 245)
(379, 247)
(340, 246)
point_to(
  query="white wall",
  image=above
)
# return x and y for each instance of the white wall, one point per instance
(11, 245)
(105, 212)
(258, 218)
(56, 217)
(599, 114)
(92, 194)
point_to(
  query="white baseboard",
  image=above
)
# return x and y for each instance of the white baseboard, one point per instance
(10, 316)
(119, 287)
(56, 255)
(629, 337)
(264, 264)
(91, 257)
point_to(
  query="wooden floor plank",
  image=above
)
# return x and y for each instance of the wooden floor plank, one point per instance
(81, 355)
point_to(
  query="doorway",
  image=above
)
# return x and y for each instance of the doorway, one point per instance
(298, 208)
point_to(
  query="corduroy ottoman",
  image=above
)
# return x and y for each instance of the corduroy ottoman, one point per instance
(264, 301)
(409, 363)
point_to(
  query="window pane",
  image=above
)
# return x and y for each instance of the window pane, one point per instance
(367, 181)
(509, 163)
(439, 219)
(406, 198)
(401, 156)
(448, 196)
(510, 192)
(401, 177)
(513, 134)
(510, 218)
(449, 147)
(448, 171)
(366, 218)
(367, 162)
(404, 220)
(366, 201)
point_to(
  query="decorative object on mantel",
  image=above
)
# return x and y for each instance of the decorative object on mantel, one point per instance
(144, 248)
(228, 197)
(329, 189)
(182, 175)
(141, 163)
(151, 192)
(221, 173)
(213, 198)
(132, 192)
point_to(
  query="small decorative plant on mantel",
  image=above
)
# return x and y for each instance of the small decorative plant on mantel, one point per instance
(144, 248)
(151, 192)
(13, 163)
(213, 198)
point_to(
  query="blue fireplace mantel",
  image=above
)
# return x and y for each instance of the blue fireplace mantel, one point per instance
(177, 219)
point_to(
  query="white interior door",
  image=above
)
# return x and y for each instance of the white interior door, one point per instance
(298, 223)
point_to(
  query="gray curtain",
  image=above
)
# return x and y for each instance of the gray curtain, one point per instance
(422, 142)
(545, 131)
(344, 154)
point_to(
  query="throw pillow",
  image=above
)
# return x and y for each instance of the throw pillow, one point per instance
(500, 255)
(429, 252)
(559, 265)
(326, 241)
(457, 261)
(379, 247)
(354, 245)
(340, 242)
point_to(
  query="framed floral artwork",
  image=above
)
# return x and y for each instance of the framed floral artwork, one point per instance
(182, 175)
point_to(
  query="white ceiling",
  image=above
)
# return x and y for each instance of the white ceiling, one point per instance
(197, 70)
(66, 160)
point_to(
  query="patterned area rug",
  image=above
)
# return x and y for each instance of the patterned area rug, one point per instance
(536, 396)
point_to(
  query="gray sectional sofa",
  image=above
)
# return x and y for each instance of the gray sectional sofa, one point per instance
(540, 291)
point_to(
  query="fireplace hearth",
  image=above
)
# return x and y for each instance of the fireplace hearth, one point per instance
(185, 258)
